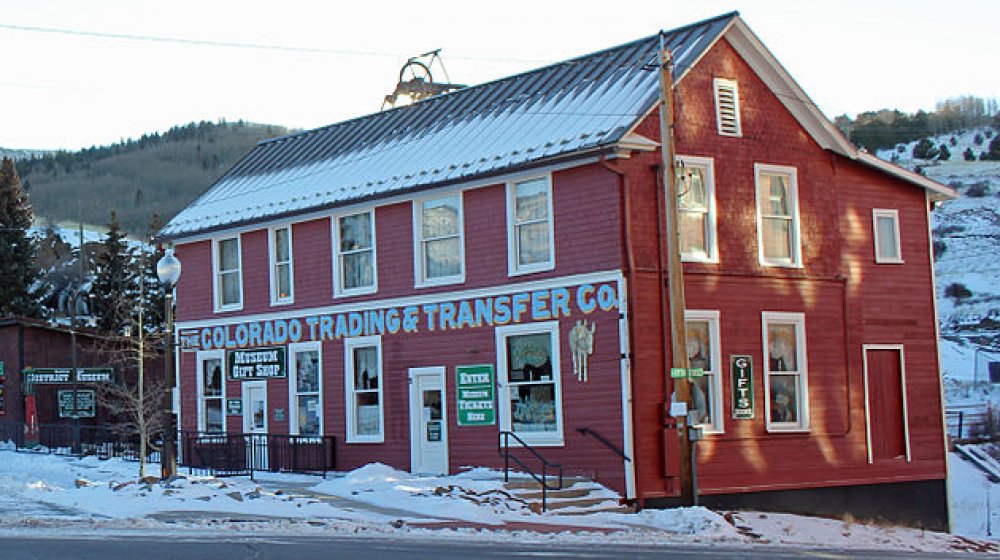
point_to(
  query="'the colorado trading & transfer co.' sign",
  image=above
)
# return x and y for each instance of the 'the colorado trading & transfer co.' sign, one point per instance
(257, 363)
(474, 395)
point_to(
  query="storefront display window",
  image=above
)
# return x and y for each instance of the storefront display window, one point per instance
(784, 358)
(212, 396)
(364, 389)
(529, 362)
(703, 351)
(306, 397)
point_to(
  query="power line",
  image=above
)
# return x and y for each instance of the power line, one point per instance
(241, 45)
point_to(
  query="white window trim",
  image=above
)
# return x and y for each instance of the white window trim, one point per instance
(272, 251)
(513, 268)
(293, 401)
(886, 213)
(338, 290)
(351, 430)
(793, 191)
(717, 425)
(217, 305)
(200, 358)
(799, 320)
(718, 83)
(711, 238)
(553, 439)
(419, 274)
(902, 389)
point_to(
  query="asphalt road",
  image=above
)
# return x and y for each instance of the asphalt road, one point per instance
(223, 547)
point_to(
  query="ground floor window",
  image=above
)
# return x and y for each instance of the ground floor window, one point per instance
(304, 385)
(703, 352)
(785, 371)
(211, 392)
(528, 366)
(363, 368)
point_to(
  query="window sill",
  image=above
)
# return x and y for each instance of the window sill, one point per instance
(789, 430)
(537, 441)
(357, 439)
(228, 308)
(279, 303)
(778, 264)
(531, 269)
(699, 260)
(889, 261)
(444, 281)
(356, 292)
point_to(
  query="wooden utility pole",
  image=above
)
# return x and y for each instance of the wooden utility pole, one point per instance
(675, 276)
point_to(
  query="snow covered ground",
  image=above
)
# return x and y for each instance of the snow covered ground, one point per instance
(57, 493)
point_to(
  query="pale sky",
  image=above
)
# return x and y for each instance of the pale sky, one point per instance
(74, 90)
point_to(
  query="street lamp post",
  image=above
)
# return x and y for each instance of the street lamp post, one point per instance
(169, 271)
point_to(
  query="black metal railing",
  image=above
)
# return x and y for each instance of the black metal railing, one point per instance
(617, 450)
(101, 440)
(232, 454)
(505, 452)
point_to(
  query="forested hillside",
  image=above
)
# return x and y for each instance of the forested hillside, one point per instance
(156, 174)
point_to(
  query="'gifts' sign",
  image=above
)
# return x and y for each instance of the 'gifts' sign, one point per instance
(741, 370)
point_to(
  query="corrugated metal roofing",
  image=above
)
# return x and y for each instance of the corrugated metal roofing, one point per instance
(567, 108)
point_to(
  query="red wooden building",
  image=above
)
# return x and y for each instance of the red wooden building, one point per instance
(415, 281)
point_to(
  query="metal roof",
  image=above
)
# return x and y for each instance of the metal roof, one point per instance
(572, 107)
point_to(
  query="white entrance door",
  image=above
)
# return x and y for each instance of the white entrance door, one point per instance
(255, 422)
(428, 421)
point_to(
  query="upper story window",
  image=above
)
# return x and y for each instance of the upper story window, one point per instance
(696, 208)
(529, 226)
(281, 265)
(886, 234)
(228, 294)
(727, 107)
(354, 264)
(778, 216)
(363, 384)
(704, 352)
(785, 371)
(439, 251)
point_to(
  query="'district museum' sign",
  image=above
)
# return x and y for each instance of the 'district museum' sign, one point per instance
(490, 311)
(257, 363)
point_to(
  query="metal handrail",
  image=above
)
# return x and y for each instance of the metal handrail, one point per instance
(504, 450)
(618, 451)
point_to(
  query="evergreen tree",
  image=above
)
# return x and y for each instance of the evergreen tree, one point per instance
(994, 151)
(969, 155)
(114, 290)
(925, 149)
(153, 294)
(18, 271)
(944, 154)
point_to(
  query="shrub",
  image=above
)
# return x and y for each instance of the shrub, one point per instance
(901, 148)
(977, 139)
(957, 291)
(939, 248)
(979, 190)
(953, 141)
(969, 155)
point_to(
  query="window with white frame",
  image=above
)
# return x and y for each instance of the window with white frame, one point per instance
(440, 253)
(211, 392)
(529, 226)
(228, 278)
(886, 232)
(727, 107)
(355, 247)
(778, 215)
(281, 265)
(531, 397)
(304, 384)
(785, 371)
(704, 352)
(696, 208)
(365, 415)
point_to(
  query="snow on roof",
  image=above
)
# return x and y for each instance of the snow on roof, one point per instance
(563, 110)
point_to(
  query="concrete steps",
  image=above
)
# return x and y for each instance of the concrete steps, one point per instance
(576, 496)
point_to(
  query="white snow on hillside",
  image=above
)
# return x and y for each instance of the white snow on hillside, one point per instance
(903, 153)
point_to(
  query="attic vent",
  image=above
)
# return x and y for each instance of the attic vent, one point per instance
(727, 107)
